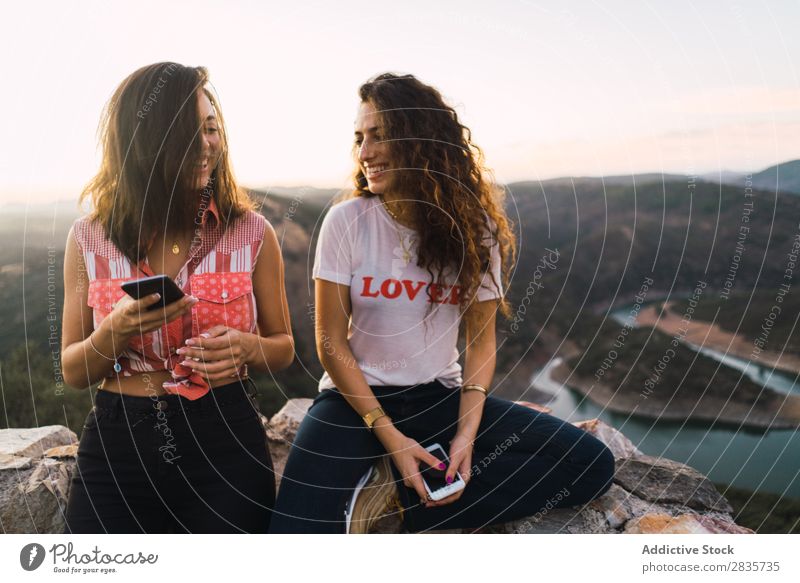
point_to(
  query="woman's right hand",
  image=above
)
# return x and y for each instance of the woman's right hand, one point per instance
(130, 317)
(407, 455)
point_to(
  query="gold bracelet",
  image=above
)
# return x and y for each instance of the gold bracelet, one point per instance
(475, 387)
(372, 416)
(117, 365)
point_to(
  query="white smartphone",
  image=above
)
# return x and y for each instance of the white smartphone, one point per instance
(434, 478)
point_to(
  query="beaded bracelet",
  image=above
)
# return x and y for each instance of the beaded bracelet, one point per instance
(117, 365)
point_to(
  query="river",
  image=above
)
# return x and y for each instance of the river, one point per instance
(765, 461)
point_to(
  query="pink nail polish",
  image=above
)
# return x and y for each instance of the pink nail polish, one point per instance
(449, 479)
(442, 466)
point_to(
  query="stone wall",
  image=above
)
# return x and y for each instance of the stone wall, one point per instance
(649, 495)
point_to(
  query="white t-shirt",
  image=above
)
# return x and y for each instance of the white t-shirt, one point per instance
(394, 337)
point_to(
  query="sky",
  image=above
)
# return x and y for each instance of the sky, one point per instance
(548, 88)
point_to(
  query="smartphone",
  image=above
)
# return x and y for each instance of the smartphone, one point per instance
(434, 478)
(139, 288)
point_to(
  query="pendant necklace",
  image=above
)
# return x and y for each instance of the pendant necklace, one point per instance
(401, 239)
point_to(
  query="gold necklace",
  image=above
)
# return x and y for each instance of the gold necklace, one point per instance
(406, 251)
(400, 238)
(176, 249)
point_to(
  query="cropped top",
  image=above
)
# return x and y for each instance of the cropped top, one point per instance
(218, 272)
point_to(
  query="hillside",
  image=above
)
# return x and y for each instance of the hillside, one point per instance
(609, 239)
(781, 177)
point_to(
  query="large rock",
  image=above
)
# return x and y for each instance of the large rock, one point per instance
(285, 423)
(35, 470)
(34, 442)
(281, 430)
(618, 506)
(648, 495)
(662, 523)
(666, 481)
(14, 462)
(620, 446)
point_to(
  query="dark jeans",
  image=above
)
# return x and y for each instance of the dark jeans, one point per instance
(522, 460)
(169, 464)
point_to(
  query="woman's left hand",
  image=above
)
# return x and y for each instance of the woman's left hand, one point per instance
(217, 354)
(461, 462)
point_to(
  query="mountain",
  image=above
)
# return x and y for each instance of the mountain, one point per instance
(609, 234)
(783, 177)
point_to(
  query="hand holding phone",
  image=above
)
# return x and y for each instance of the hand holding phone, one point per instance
(161, 284)
(434, 478)
(139, 313)
(409, 458)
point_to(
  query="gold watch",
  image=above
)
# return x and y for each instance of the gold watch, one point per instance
(372, 416)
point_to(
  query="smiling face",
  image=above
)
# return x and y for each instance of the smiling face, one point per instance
(210, 142)
(372, 149)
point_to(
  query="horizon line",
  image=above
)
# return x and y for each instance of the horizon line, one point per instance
(701, 175)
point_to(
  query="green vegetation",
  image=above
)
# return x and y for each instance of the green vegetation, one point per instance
(745, 314)
(33, 394)
(648, 368)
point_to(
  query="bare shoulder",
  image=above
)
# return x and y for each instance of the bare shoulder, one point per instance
(76, 241)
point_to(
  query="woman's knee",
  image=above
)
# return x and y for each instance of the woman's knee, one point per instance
(596, 468)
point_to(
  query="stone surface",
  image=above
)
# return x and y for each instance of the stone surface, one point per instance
(278, 449)
(286, 421)
(666, 481)
(618, 506)
(661, 523)
(33, 442)
(649, 494)
(70, 450)
(14, 462)
(281, 429)
(620, 446)
(34, 484)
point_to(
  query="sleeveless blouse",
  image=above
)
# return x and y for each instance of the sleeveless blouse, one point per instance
(218, 272)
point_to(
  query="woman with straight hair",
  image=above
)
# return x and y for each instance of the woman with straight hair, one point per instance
(174, 442)
(420, 250)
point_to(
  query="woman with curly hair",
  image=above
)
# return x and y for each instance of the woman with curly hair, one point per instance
(422, 248)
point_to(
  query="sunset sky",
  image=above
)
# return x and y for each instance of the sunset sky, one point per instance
(548, 88)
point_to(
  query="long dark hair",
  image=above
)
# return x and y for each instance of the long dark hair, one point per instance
(434, 161)
(150, 137)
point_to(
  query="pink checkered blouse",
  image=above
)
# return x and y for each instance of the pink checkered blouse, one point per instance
(218, 272)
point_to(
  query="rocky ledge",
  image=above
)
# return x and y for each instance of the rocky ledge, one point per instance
(649, 495)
